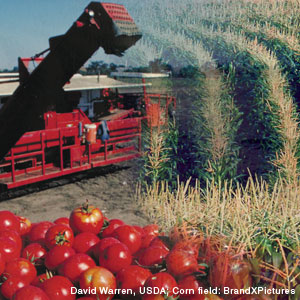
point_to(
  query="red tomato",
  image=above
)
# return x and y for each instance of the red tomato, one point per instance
(104, 243)
(34, 252)
(25, 225)
(57, 255)
(59, 235)
(86, 218)
(236, 272)
(84, 242)
(137, 255)
(146, 240)
(22, 268)
(188, 284)
(151, 229)
(163, 281)
(38, 280)
(11, 285)
(115, 257)
(139, 229)
(254, 297)
(2, 263)
(153, 297)
(9, 221)
(9, 249)
(128, 236)
(75, 265)
(133, 278)
(12, 235)
(160, 242)
(187, 246)
(98, 277)
(38, 232)
(204, 297)
(30, 292)
(112, 225)
(153, 256)
(181, 263)
(63, 221)
(58, 288)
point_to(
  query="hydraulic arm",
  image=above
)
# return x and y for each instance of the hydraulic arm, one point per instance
(103, 25)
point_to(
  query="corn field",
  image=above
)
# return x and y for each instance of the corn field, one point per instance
(239, 144)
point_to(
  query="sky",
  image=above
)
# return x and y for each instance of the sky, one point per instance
(26, 25)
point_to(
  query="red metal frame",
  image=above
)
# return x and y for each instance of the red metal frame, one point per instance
(64, 141)
(72, 153)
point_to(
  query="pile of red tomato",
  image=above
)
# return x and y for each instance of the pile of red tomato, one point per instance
(73, 258)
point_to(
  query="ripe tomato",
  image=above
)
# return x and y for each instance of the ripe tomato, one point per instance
(58, 288)
(104, 243)
(204, 297)
(187, 284)
(236, 272)
(59, 234)
(22, 268)
(139, 229)
(160, 242)
(57, 255)
(34, 252)
(128, 236)
(75, 265)
(146, 240)
(2, 263)
(187, 246)
(25, 225)
(115, 257)
(112, 225)
(148, 234)
(86, 218)
(38, 232)
(9, 221)
(38, 280)
(254, 297)
(9, 249)
(133, 278)
(63, 221)
(181, 263)
(12, 235)
(155, 297)
(162, 281)
(153, 256)
(98, 277)
(151, 229)
(11, 285)
(85, 241)
(30, 292)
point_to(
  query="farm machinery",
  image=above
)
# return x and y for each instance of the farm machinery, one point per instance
(40, 143)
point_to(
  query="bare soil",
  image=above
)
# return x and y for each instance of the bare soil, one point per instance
(111, 189)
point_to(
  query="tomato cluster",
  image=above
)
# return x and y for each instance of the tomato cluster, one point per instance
(87, 256)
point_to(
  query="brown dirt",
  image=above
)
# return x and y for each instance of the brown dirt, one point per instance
(112, 190)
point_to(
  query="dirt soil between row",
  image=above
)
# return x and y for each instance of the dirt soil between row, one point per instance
(111, 189)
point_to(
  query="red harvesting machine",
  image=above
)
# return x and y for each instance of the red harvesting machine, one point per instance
(70, 142)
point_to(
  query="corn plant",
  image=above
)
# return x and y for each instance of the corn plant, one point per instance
(160, 155)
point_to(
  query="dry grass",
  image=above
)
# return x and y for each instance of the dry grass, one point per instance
(240, 214)
(214, 120)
